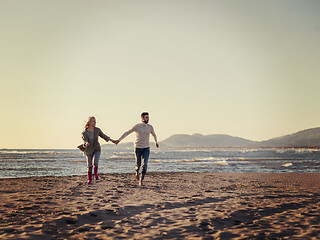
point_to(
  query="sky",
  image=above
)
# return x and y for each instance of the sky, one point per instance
(245, 68)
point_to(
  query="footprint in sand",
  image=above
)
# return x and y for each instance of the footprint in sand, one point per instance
(32, 207)
(228, 235)
(47, 202)
(196, 195)
(49, 229)
(110, 211)
(22, 200)
(93, 214)
(104, 227)
(88, 193)
(82, 208)
(84, 229)
(8, 230)
(70, 220)
(204, 224)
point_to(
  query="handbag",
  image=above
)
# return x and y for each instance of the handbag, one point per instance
(81, 147)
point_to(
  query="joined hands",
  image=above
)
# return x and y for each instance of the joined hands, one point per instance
(115, 141)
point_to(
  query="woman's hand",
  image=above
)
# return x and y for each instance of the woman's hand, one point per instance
(114, 141)
(87, 144)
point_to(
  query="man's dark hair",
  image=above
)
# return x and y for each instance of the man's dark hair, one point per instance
(144, 114)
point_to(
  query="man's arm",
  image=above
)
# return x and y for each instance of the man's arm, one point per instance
(154, 136)
(126, 134)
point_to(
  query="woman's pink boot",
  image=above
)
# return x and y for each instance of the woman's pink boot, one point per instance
(89, 177)
(95, 170)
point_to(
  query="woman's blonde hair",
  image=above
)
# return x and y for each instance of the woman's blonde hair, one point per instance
(87, 122)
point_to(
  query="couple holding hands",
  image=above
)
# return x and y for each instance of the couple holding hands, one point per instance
(92, 148)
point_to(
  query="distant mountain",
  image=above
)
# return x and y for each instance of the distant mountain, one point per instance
(215, 140)
(305, 138)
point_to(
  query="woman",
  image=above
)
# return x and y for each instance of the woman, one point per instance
(92, 147)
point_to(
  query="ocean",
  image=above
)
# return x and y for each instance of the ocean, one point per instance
(27, 163)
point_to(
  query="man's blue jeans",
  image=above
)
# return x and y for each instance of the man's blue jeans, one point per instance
(142, 153)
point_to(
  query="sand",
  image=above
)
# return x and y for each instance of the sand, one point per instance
(168, 206)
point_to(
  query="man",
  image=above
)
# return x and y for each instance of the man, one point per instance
(142, 145)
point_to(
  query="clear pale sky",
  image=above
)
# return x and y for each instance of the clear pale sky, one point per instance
(245, 68)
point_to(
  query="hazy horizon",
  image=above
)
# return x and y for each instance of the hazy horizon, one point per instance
(152, 142)
(243, 68)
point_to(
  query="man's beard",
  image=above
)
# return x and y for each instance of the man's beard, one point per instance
(145, 121)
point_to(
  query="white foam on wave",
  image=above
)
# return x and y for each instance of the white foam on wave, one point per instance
(287, 165)
(306, 150)
(222, 163)
(120, 157)
(283, 150)
(188, 160)
(164, 161)
(27, 152)
(157, 161)
(122, 153)
(297, 150)
(249, 150)
(215, 160)
(211, 159)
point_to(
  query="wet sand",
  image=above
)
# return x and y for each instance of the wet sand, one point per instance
(168, 206)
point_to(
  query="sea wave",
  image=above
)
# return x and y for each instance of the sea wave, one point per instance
(122, 153)
(306, 150)
(33, 169)
(26, 152)
(222, 163)
(188, 160)
(287, 165)
(212, 159)
(116, 157)
(297, 150)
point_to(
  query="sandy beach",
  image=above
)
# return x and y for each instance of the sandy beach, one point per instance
(168, 206)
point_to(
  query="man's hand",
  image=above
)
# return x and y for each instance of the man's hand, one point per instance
(157, 145)
(86, 144)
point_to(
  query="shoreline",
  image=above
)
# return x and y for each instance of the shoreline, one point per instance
(84, 175)
(120, 146)
(170, 205)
